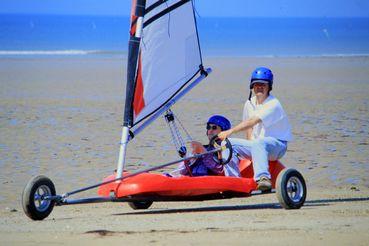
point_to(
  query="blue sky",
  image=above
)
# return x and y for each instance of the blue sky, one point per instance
(252, 8)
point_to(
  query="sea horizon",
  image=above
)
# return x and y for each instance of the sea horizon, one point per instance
(24, 35)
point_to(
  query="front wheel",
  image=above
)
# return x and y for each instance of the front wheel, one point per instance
(291, 189)
(33, 202)
(140, 204)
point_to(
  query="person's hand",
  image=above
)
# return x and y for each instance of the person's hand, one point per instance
(197, 147)
(224, 134)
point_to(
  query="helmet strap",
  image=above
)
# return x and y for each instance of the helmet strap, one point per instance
(250, 95)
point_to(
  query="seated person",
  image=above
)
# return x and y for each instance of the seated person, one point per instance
(206, 165)
(267, 127)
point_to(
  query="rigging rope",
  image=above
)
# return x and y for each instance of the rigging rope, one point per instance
(189, 138)
(177, 138)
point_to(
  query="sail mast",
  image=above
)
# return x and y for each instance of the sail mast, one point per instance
(137, 16)
(164, 62)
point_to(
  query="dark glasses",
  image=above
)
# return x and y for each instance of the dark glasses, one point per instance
(213, 127)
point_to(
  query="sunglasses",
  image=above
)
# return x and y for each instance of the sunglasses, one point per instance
(213, 127)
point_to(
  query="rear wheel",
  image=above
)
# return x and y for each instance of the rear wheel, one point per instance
(291, 189)
(33, 202)
(140, 204)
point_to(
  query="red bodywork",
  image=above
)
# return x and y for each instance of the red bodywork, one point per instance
(161, 186)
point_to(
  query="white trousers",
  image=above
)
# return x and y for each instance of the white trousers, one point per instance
(260, 151)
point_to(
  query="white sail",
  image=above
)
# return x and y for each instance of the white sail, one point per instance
(169, 55)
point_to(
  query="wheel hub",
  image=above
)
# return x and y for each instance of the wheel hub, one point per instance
(294, 189)
(40, 204)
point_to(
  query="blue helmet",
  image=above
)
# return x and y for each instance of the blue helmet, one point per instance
(220, 121)
(261, 75)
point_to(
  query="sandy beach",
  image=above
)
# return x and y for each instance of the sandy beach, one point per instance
(62, 117)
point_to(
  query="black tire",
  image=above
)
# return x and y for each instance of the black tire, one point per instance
(38, 209)
(140, 204)
(291, 189)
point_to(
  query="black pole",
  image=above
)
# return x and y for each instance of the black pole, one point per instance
(133, 53)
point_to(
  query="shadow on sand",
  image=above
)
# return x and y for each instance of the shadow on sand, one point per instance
(308, 203)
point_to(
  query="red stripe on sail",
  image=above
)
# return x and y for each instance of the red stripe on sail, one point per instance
(139, 101)
(133, 25)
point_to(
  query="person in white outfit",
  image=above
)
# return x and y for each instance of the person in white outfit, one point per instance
(267, 128)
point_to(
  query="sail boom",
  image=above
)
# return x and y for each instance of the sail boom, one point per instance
(171, 102)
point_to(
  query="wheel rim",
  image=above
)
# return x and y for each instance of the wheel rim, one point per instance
(42, 205)
(295, 189)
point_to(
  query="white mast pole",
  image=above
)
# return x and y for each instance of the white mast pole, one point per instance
(125, 131)
(122, 152)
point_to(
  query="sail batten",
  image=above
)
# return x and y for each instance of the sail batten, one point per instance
(164, 12)
(154, 5)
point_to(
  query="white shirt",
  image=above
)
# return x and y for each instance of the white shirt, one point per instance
(274, 121)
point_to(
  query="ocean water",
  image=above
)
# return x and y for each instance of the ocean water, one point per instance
(285, 36)
(34, 34)
(30, 35)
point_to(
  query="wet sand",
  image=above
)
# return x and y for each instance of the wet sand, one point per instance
(61, 117)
